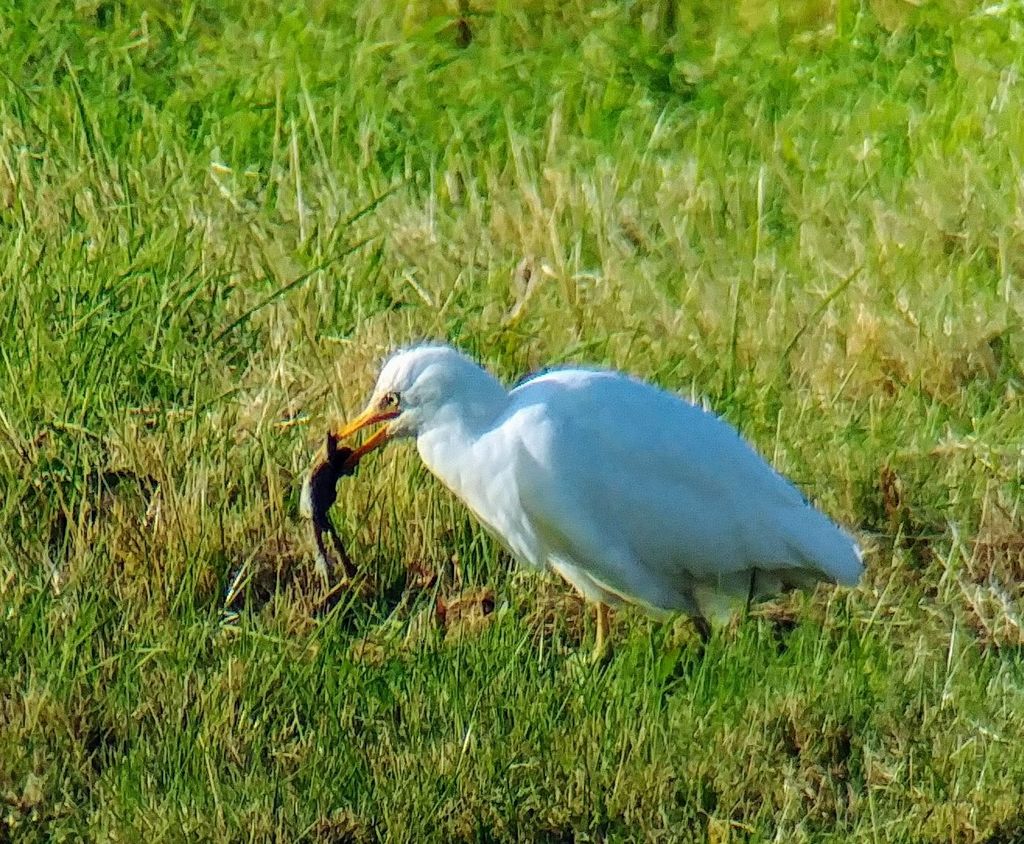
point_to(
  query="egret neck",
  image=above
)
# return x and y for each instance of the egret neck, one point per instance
(459, 443)
(450, 432)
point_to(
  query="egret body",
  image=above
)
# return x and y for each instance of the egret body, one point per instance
(627, 491)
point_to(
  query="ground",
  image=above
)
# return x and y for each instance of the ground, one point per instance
(215, 218)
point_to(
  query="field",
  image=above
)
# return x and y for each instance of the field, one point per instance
(216, 218)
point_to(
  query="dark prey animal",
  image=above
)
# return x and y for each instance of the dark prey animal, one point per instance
(321, 492)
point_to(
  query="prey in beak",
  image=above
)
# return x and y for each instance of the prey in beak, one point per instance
(319, 493)
(320, 490)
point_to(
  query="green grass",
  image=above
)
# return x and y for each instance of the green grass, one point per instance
(216, 218)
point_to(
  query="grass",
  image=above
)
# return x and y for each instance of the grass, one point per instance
(217, 217)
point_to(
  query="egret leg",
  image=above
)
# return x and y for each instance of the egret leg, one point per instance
(601, 643)
(750, 592)
(703, 628)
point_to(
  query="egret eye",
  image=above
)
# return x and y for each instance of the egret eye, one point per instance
(390, 400)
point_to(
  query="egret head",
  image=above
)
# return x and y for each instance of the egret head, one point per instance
(423, 386)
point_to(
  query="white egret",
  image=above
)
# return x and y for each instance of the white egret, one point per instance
(630, 493)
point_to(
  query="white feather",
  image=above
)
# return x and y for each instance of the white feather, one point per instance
(629, 492)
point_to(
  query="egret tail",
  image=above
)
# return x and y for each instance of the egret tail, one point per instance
(819, 544)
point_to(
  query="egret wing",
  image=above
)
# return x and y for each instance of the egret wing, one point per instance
(635, 478)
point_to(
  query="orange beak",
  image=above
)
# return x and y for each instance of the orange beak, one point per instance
(370, 416)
